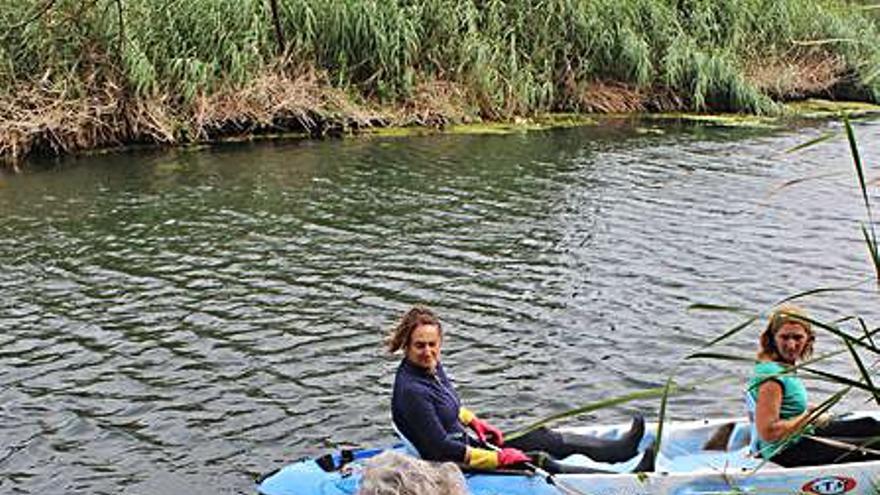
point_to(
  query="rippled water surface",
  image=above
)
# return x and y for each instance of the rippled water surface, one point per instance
(180, 322)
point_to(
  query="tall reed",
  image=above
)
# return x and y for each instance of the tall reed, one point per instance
(507, 57)
(516, 55)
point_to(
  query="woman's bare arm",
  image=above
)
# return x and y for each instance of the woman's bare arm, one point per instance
(770, 426)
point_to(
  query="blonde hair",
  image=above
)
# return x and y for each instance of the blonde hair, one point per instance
(398, 337)
(785, 313)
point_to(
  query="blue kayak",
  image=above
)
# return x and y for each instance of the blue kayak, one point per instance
(323, 477)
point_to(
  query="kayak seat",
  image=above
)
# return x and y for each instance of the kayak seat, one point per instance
(687, 451)
(753, 430)
(408, 446)
(740, 437)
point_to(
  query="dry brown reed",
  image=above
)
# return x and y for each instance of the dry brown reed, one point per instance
(41, 119)
(49, 119)
(52, 121)
(617, 97)
(437, 103)
(273, 101)
(57, 121)
(798, 74)
(612, 97)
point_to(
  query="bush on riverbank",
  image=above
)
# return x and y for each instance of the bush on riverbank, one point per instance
(85, 74)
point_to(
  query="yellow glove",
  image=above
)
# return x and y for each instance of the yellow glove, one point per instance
(465, 415)
(487, 459)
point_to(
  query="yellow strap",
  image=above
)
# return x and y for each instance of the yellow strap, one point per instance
(483, 459)
(465, 416)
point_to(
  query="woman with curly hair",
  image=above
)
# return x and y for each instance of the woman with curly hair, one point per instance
(427, 411)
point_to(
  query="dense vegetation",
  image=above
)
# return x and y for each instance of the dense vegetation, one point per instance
(77, 74)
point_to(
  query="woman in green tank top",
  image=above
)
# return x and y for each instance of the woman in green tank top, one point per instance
(781, 408)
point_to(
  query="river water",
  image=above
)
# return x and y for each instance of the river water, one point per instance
(182, 321)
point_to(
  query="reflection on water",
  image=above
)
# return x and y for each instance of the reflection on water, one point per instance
(182, 321)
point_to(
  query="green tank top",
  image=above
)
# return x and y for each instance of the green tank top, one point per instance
(794, 398)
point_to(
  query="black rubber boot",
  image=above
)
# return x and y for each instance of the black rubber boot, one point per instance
(552, 466)
(605, 449)
(646, 465)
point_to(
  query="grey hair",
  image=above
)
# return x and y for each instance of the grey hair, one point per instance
(392, 473)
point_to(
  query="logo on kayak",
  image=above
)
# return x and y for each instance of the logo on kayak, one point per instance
(829, 485)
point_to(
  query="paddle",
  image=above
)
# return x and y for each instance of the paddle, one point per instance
(549, 478)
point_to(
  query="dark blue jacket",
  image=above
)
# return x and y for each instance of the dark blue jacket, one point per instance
(424, 407)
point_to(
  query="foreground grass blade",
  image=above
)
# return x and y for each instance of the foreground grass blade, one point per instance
(839, 379)
(717, 307)
(821, 290)
(845, 336)
(825, 406)
(670, 388)
(650, 393)
(661, 419)
(813, 142)
(814, 415)
(866, 376)
(724, 357)
(864, 327)
(871, 242)
(857, 160)
(733, 331)
(801, 180)
(870, 77)
(751, 359)
(870, 235)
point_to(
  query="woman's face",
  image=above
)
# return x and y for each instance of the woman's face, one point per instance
(790, 340)
(423, 349)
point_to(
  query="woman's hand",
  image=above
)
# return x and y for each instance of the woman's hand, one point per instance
(821, 420)
(486, 432)
(494, 459)
(512, 457)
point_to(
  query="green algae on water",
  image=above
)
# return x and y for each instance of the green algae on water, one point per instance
(520, 125)
(817, 108)
(719, 120)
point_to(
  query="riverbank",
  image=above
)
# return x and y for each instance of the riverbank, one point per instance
(77, 79)
(60, 128)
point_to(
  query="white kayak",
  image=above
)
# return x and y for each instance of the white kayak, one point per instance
(685, 467)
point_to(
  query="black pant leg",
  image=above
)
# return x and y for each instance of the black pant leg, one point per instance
(850, 428)
(560, 445)
(809, 452)
(542, 440)
(552, 444)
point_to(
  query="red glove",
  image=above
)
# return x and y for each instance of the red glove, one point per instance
(486, 432)
(510, 456)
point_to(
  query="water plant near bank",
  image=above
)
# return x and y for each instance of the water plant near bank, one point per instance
(77, 74)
